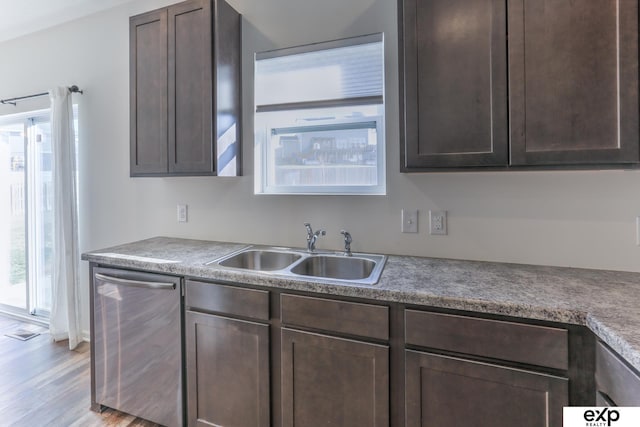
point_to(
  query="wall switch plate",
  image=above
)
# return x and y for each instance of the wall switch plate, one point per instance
(182, 213)
(638, 230)
(438, 222)
(409, 221)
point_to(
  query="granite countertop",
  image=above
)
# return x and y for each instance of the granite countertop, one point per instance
(607, 302)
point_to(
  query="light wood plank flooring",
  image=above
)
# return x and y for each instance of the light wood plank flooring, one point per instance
(43, 383)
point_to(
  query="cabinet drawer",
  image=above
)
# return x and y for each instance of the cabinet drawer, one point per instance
(337, 316)
(615, 379)
(535, 345)
(227, 299)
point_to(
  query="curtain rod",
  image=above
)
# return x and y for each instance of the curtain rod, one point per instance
(12, 101)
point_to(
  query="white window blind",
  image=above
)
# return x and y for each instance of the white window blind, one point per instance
(331, 72)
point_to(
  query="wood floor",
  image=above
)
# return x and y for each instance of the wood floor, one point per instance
(43, 383)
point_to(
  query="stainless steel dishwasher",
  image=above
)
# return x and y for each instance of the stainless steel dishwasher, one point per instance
(137, 351)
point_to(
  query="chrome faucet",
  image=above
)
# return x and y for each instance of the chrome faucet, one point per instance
(347, 242)
(313, 237)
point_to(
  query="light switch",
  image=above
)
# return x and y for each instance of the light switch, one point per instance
(409, 221)
(182, 213)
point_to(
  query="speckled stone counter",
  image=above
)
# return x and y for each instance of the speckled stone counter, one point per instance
(608, 302)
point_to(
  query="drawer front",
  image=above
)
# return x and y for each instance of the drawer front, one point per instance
(351, 318)
(615, 379)
(516, 342)
(232, 300)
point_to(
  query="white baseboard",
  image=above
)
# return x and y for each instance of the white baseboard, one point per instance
(26, 318)
(86, 336)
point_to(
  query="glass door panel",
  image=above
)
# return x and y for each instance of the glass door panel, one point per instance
(41, 215)
(13, 231)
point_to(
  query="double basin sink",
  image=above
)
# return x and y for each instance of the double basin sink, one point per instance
(297, 263)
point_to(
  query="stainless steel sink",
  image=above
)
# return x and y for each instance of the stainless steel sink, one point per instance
(335, 267)
(261, 260)
(298, 263)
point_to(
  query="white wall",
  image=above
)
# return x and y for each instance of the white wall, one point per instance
(581, 219)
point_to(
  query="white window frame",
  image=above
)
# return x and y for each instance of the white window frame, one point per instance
(263, 134)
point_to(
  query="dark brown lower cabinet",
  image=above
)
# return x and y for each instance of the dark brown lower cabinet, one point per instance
(453, 392)
(257, 357)
(329, 381)
(227, 371)
(617, 384)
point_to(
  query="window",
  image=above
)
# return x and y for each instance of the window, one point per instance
(319, 120)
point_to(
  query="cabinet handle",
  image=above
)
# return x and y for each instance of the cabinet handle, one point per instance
(135, 283)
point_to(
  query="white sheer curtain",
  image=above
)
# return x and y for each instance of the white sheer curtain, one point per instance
(64, 322)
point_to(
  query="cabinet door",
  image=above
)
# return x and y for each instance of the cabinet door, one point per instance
(190, 88)
(148, 93)
(573, 73)
(453, 60)
(227, 371)
(446, 391)
(615, 380)
(329, 381)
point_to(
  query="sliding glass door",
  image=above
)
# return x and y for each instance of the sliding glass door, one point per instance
(26, 207)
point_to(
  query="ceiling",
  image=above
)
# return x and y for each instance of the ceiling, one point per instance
(20, 17)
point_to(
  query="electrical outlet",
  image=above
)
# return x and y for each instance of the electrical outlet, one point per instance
(409, 221)
(182, 213)
(438, 222)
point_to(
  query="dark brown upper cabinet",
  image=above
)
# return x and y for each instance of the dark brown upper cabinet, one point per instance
(148, 91)
(561, 90)
(454, 90)
(573, 70)
(185, 90)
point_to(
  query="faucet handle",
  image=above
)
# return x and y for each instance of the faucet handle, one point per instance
(347, 242)
(312, 237)
(319, 232)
